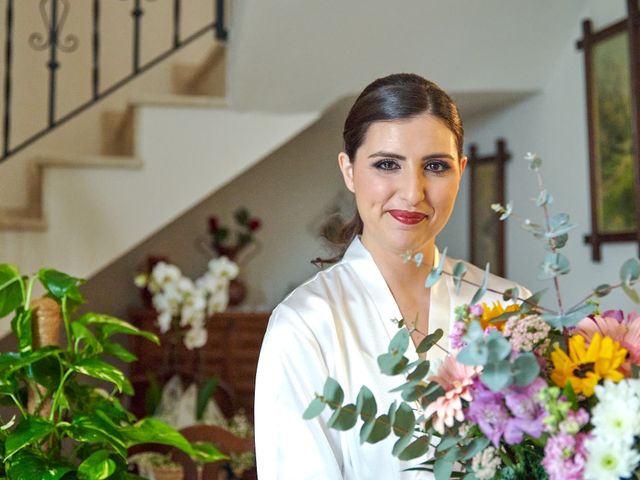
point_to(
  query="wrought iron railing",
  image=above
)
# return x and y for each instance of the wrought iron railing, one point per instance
(54, 14)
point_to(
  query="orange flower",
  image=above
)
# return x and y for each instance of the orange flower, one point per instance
(494, 311)
(585, 367)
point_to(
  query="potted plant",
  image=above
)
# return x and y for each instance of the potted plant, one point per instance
(65, 425)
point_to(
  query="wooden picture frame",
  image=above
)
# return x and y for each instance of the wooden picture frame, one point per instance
(487, 232)
(612, 79)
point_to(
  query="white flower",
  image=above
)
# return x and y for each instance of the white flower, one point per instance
(185, 286)
(195, 338)
(218, 302)
(192, 316)
(609, 461)
(164, 321)
(211, 283)
(141, 280)
(616, 417)
(164, 273)
(485, 464)
(223, 267)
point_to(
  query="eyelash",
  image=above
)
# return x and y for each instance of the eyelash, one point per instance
(389, 165)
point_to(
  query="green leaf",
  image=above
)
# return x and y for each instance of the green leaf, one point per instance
(99, 369)
(498, 347)
(413, 391)
(570, 395)
(118, 351)
(12, 289)
(553, 265)
(30, 430)
(404, 421)
(525, 369)
(496, 375)
(483, 289)
(28, 465)
(400, 342)
(205, 393)
(443, 466)
(602, 290)
(459, 271)
(421, 371)
(61, 285)
(544, 198)
(10, 363)
(333, 392)
(22, 328)
(366, 404)
(152, 430)
(401, 444)
(97, 466)
(375, 430)
(532, 300)
(535, 163)
(631, 293)
(511, 294)
(98, 428)
(109, 325)
(436, 273)
(343, 418)
(46, 372)
(392, 364)
(416, 449)
(429, 341)
(82, 334)
(446, 443)
(534, 228)
(315, 408)
(630, 271)
(476, 445)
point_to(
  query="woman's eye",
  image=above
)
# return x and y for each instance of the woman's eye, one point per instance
(386, 165)
(437, 167)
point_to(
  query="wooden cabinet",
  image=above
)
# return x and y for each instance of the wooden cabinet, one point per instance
(231, 354)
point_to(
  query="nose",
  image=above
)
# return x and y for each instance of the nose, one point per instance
(413, 188)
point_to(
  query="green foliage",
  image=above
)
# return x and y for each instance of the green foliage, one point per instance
(436, 273)
(205, 392)
(96, 429)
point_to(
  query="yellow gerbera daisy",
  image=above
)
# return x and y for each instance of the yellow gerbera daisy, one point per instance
(585, 367)
(494, 311)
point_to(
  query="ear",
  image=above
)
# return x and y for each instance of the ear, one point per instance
(463, 165)
(346, 167)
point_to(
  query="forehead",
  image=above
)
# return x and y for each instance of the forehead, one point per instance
(417, 136)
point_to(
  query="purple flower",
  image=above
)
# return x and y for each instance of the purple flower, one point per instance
(487, 410)
(565, 456)
(617, 314)
(455, 337)
(476, 309)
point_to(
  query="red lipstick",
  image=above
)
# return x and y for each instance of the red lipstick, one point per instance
(406, 217)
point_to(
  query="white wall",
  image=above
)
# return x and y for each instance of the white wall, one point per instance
(553, 124)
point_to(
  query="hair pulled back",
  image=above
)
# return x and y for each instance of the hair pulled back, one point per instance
(394, 97)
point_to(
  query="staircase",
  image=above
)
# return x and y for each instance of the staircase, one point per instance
(108, 179)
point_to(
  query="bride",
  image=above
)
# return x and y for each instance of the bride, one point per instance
(403, 161)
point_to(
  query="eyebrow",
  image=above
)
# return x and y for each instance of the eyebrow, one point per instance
(400, 157)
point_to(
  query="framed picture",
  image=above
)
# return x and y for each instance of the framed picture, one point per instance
(612, 68)
(487, 175)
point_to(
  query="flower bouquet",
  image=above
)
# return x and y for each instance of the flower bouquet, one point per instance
(527, 392)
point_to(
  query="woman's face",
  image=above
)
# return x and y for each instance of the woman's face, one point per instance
(405, 178)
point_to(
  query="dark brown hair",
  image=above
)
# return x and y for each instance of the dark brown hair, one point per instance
(394, 97)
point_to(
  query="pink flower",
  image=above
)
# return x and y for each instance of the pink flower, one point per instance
(456, 380)
(612, 324)
(565, 456)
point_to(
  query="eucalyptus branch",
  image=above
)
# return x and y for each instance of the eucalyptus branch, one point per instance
(594, 294)
(552, 243)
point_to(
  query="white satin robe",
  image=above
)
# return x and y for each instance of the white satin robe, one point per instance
(337, 324)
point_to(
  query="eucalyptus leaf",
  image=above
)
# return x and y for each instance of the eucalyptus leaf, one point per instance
(630, 271)
(535, 163)
(97, 466)
(498, 347)
(376, 430)
(400, 342)
(525, 369)
(366, 404)
(557, 241)
(511, 294)
(496, 375)
(315, 408)
(554, 264)
(602, 290)
(12, 289)
(429, 341)
(435, 274)
(476, 446)
(447, 442)
(631, 293)
(343, 418)
(416, 449)
(391, 413)
(459, 271)
(404, 421)
(413, 391)
(443, 466)
(401, 444)
(333, 392)
(392, 364)
(421, 371)
(483, 289)
(534, 228)
(544, 198)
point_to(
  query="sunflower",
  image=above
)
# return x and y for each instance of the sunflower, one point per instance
(585, 367)
(494, 311)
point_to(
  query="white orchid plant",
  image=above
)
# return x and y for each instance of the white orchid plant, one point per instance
(185, 305)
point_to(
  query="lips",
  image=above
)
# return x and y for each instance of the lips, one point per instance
(406, 217)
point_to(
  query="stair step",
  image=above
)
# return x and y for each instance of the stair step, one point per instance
(65, 160)
(180, 101)
(22, 221)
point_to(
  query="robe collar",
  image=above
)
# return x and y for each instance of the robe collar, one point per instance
(380, 294)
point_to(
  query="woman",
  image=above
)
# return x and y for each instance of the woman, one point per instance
(403, 161)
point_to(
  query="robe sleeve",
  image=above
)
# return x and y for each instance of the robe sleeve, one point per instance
(291, 369)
